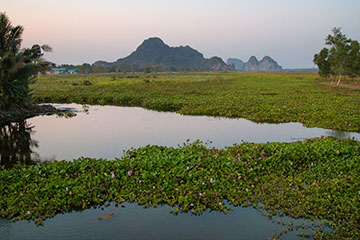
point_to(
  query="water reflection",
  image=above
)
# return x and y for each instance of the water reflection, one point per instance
(106, 131)
(134, 222)
(16, 144)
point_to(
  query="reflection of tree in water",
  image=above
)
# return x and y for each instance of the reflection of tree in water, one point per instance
(16, 144)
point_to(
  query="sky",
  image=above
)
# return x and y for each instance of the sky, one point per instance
(85, 31)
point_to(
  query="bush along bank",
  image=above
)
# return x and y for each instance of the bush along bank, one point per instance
(17, 114)
(315, 179)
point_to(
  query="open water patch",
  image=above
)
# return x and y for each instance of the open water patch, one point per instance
(106, 131)
(134, 222)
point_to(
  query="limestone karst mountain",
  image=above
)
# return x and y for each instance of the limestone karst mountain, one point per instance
(153, 52)
(267, 64)
(238, 64)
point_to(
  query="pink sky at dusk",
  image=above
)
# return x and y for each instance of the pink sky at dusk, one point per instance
(86, 31)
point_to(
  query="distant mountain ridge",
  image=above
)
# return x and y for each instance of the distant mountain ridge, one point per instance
(267, 64)
(238, 64)
(153, 52)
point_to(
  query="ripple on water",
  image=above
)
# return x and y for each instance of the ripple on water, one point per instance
(134, 222)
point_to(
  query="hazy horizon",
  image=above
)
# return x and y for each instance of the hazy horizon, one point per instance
(79, 32)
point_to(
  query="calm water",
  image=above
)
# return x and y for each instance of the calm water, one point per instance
(134, 222)
(105, 131)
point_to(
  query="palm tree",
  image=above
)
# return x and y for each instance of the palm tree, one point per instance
(18, 67)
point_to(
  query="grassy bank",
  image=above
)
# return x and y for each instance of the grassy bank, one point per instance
(318, 178)
(260, 97)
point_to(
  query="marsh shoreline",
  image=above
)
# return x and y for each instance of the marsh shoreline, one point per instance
(20, 114)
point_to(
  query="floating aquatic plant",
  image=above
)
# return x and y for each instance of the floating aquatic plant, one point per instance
(260, 97)
(322, 182)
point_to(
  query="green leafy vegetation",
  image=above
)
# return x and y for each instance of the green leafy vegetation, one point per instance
(342, 59)
(18, 68)
(316, 179)
(260, 97)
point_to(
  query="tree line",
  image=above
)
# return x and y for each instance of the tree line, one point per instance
(87, 68)
(342, 58)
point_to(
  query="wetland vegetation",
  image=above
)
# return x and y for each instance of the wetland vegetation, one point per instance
(316, 179)
(260, 97)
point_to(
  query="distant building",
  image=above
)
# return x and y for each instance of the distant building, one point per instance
(73, 71)
(57, 71)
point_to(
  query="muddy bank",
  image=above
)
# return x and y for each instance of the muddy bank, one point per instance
(18, 114)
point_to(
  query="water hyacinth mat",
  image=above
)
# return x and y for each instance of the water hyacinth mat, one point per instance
(314, 179)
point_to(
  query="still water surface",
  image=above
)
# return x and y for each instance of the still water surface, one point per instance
(134, 222)
(104, 132)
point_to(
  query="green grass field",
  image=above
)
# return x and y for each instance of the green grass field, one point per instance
(260, 97)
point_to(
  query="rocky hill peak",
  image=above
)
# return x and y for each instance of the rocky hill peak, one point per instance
(153, 52)
(267, 64)
(253, 60)
(153, 42)
(238, 64)
(252, 65)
